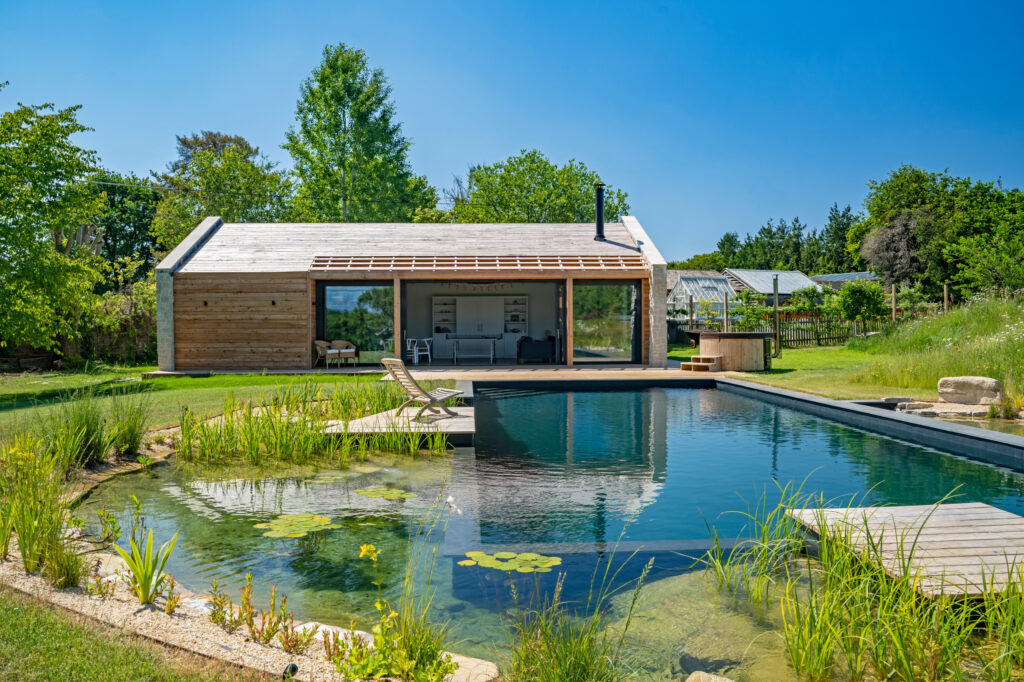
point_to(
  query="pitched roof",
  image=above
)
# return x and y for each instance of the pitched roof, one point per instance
(760, 281)
(292, 247)
(846, 277)
(701, 284)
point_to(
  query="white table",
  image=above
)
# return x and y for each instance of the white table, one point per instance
(473, 348)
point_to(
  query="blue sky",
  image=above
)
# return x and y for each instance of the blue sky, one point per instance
(713, 116)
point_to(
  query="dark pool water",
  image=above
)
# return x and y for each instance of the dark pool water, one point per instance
(557, 473)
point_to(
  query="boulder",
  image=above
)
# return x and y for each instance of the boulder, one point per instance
(706, 677)
(970, 390)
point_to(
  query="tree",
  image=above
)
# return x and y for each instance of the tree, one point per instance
(528, 188)
(993, 261)
(701, 261)
(130, 208)
(835, 256)
(892, 249)
(348, 150)
(48, 225)
(861, 300)
(230, 184)
(727, 246)
(206, 141)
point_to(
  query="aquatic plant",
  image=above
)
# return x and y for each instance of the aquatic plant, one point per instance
(856, 609)
(146, 574)
(402, 647)
(553, 641)
(270, 621)
(80, 413)
(296, 525)
(389, 494)
(296, 640)
(524, 562)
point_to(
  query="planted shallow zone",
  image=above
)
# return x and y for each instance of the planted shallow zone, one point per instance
(292, 424)
(556, 475)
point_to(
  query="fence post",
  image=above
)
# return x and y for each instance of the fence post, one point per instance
(893, 302)
(945, 298)
(690, 308)
(725, 314)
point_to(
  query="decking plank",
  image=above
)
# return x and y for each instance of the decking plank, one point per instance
(956, 548)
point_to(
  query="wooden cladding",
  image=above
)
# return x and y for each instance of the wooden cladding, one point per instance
(242, 322)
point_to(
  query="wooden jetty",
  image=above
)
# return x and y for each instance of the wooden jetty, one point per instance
(954, 549)
(458, 430)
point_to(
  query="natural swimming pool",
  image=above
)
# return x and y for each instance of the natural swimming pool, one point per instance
(557, 473)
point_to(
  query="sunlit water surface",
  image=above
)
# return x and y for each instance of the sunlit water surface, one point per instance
(564, 474)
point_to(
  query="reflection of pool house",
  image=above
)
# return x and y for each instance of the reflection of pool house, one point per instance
(251, 296)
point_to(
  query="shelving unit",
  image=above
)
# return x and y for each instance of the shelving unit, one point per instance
(444, 318)
(517, 315)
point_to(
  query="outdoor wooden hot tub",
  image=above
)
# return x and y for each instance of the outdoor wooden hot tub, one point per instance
(739, 351)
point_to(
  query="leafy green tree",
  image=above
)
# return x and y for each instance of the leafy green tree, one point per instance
(861, 300)
(131, 205)
(48, 225)
(231, 184)
(206, 141)
(701, 261)
(749, 312)
(528, 188)
(348, 150)
(993, 261)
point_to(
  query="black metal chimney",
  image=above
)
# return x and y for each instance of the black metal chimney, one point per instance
(599, 199)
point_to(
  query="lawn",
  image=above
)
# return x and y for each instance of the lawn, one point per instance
(27, 397)
(39, 643)
(826, 371)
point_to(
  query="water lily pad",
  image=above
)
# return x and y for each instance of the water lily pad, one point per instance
(525, 562)
(385, 493)
(296, 525)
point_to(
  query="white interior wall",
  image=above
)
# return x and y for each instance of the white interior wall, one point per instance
(418, 309)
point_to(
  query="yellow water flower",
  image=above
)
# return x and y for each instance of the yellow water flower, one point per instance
(368, 551)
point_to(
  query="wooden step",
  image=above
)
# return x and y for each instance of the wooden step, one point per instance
(702, 363)
(694, 367)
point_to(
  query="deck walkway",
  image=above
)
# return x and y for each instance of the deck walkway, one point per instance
(959, 547)
(460, 430)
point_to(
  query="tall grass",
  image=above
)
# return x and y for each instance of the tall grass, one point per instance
(291, 426)
(81, 413)
(37, 508)
(555, 641)
(129, 417)
(857, 612)
(983, 337)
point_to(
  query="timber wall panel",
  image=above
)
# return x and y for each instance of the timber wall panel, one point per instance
(243, 322)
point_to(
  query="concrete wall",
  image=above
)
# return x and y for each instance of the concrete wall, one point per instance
(657, 320)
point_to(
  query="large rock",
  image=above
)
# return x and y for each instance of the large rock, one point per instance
(970, 390)
(706, 677)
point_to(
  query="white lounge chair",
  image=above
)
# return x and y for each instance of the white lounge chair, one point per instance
(431, 400)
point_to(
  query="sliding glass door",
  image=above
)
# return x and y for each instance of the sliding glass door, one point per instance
(363, 314)
(606, 321)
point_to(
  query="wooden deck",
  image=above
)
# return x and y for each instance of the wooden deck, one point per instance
(459, 430)
(954, 548)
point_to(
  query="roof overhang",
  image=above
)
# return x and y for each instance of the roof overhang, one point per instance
(479, 267)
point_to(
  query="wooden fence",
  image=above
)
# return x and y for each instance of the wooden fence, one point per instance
(795, 333)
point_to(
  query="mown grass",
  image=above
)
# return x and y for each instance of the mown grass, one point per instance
(24, 399)
(40, 644)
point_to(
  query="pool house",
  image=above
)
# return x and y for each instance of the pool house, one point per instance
(301, 296)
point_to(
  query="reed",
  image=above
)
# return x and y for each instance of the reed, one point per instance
(858, 612)
(290, 426)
